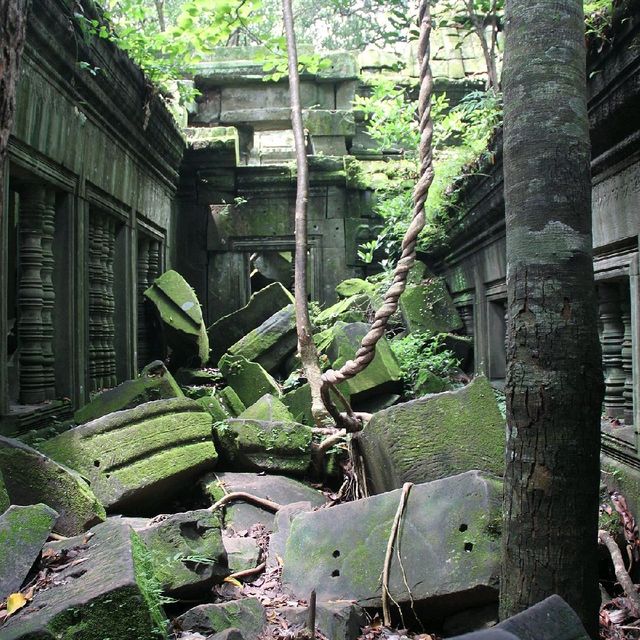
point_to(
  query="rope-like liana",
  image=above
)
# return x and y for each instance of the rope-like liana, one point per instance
(367, 350)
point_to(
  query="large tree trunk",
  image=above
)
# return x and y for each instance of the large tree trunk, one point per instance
(306, 346)
(554, 379)
(13, 23)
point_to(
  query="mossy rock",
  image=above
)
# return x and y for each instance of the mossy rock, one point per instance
(23, 532)
(298, 402)
(4, 496)
(187, 552)
(355, 286)
(352, 309)
(274, 446)
(231, 402)
(434, 437)
(112, 594)
(136, 459)
(382, 375)
(31, 477)
(428, 308)
(212, 404)
(248, 379)
(154, 383)
(247, 615)
(430, 383)
(179, 310)
(271, 343)
(448, 542)
(267, 408)
(231, 328)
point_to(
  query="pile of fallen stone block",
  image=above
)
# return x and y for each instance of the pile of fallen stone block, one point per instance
(112, 531)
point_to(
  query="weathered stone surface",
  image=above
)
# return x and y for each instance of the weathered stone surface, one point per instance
(141, 456)
(23, 532)
(4, 496)
(435, 437)
(268, 408)
(181, 315)
(211, 403)
(383, 374)
(355, 286)
(231, 401)
(31, 477)
(281, 529)
(279, 489)
(261, 306)
(355, 308)
(242, 553)
(271, 342)
(247, 615)
(336, 620)
(107, 595)
(197, 377)
(275, 446)
(428, 308)
(430, 383)
(468, 620)
(154, 383)
(186, 551)
(494, 633)
(448, 544)
(248, 379)
(298, 402)
(228, 634)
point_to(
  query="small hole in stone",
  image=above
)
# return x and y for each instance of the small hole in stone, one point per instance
(463, 527)
(335, 573)
(336, 554)
(468, 546)
(96, 463)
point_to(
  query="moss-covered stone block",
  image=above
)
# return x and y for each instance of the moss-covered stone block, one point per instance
(430, 383)
(383, 375)
(31, 477)
(247, 615)
(298, 402)
(186, 551)
(179, 310)
(241, 516)
(154, 383)
(355, 286)
(242, 553)
(4, 496)
(248, 379)
(355, 308)
(274, 446)
(261, 306)
(23, 532)
(435, 437)
(139, 457)
(449, 546)
(211, 403)
(271, 342)
(267, 408)
(111, 594)
(231, 402)
(428, 308)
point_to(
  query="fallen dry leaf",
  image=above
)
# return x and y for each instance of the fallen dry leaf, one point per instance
(15, 602)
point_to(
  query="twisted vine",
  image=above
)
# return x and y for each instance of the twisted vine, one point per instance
(365, 354)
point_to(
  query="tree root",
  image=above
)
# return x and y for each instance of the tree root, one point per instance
(386, 613)
(269, 505)
(621, 573)
(248, 573)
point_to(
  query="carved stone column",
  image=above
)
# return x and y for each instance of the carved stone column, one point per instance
(612, 337)
(154, 260)
(144, 350)
(466, 315)
(102, 356)
(627, 353)
(48, 292)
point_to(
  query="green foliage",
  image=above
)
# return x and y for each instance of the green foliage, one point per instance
(167, 45)
(275, 63)
(597, 18)
(421, 356)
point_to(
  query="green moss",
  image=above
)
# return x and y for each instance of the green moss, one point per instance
(248, 379)
(231, 401)
(267, 408)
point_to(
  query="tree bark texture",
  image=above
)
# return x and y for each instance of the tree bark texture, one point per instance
(13, 23)
(306, 346)
(554, 379)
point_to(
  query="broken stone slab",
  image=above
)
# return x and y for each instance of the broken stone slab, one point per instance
(448, 544)
(298, 402)
(136, 459)
(186, 551)
(274, 446)
(434, 437)
(247, 615)
(428, 308)
(281, 529)
(31, 477)
(355, 308)
(23, 532)
(154, 383)
(268, 408)
(228, 634)
(197, 377)
(242, 553)
(248, 379)
(106, 591)
(355, 286)
(181, 316)
(5, 502)
(261, 306)
(551, 619)
(231, 401)
(383, 375)
(335, 620)
(469, 620)
(241, 516)
(271, 342)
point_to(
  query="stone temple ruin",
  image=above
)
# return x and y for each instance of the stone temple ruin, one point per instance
(149, 350)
